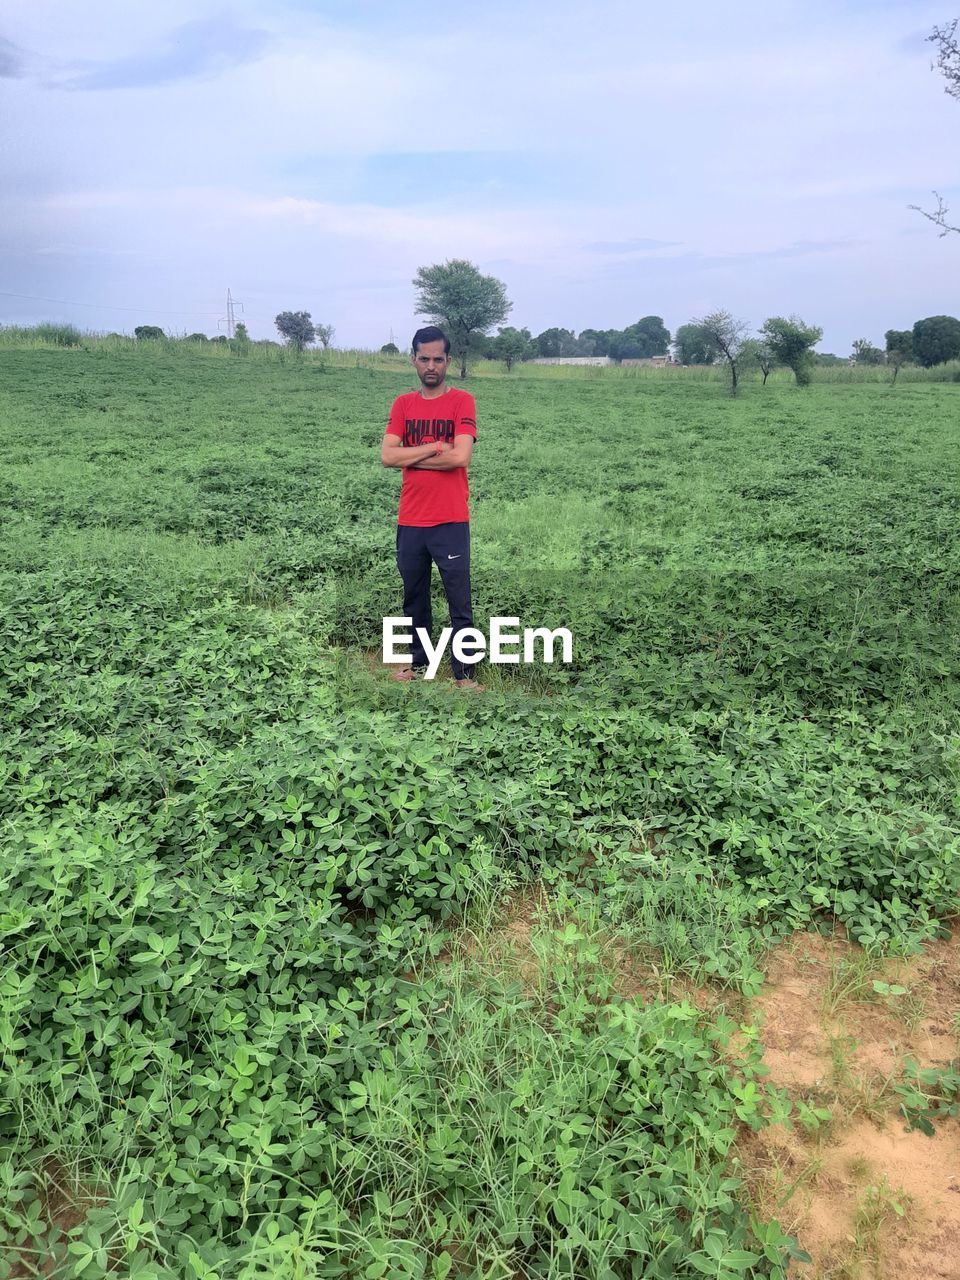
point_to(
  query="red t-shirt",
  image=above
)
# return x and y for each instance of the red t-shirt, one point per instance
(432, 497)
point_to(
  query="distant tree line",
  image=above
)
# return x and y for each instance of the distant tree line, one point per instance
(467, 304)
(295, 327)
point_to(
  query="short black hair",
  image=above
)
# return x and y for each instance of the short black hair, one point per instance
(431, 334)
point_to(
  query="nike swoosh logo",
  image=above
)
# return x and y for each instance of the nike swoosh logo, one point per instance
(454, 557)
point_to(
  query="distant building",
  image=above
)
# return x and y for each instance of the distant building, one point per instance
(591, 360)
(652, 362)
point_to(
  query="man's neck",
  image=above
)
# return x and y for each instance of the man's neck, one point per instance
(434, 393)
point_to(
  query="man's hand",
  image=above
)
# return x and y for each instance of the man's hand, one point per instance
(439, 449)
(453, 456)
(394, 454)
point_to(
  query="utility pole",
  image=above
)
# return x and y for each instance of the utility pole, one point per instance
(230, 318)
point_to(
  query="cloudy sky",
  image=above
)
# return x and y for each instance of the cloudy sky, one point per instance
(605, 163)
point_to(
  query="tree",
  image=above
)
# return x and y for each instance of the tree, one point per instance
(864, 352)
(647, 337)
(196, 337)
(297, 328)
(694, 345)
(595, 342)
(557, 344)
(240, 332)
(465, 304)
(936, 340)
(511, 345)
(149, 331)
(899, 350)
(726, 333)
(324, 334)
(389, 349)
(948, 64)
(791, 342)
(899, 342)
(755, 352)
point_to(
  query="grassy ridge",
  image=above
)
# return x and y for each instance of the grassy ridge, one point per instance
(224, 838)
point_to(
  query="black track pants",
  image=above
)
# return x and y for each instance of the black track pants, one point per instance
(447, 546)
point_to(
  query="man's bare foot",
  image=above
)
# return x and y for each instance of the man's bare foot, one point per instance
(407, 673)
(467, 683)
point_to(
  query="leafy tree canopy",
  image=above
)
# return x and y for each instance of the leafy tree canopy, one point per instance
(297, 328)
(935, 340)
(463, 302)
(647, 337)
(555, 344)
(899, 342)
(148, 331)
(693, 345)
(511, 345)
(596, 342)
(755, 354)
(791, 342)
(864, 352)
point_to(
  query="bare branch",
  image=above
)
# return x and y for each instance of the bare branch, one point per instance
(948, 64)
(948, 56)
(938, 217)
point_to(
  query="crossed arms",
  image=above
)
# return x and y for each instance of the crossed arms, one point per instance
(425, 456)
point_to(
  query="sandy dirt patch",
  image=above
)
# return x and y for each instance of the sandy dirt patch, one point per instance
(865, 1197)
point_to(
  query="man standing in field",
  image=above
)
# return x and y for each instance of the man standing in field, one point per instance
(430, 434)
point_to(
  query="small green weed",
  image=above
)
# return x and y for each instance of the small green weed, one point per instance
(928, 1094)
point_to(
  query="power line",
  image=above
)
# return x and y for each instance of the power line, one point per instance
(146, 311)
(105, 306)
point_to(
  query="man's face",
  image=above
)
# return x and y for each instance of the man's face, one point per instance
(431, 363)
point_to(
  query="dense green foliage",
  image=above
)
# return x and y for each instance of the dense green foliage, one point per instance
(693, 345)
(899, 342)
(296, 328)
(936, 340)
(791, 342)
(647, 336)
(510, 345)
(224, 838)
(864, 352)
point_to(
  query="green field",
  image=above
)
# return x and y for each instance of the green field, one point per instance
(241, 1034)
